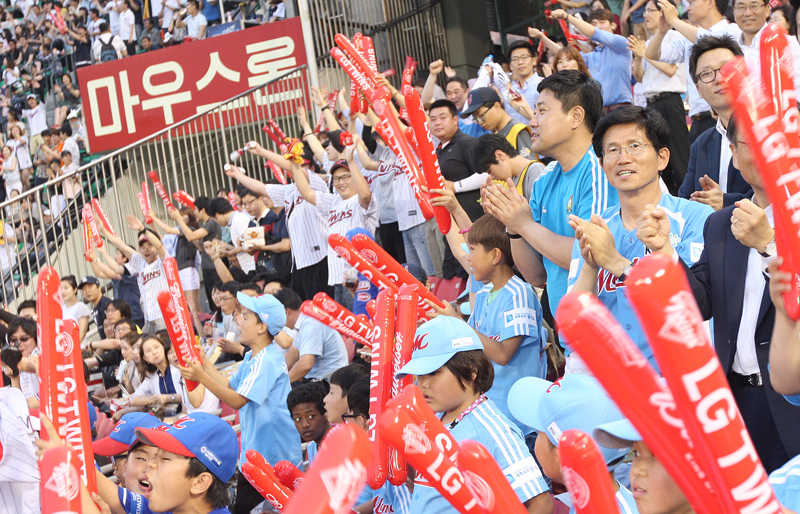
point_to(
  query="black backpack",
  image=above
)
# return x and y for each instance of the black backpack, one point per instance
(107, 50)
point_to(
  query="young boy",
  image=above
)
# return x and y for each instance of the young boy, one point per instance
(653, 489)
(307, 407)
(389, 498)
(507, 314)
(573, 402)
(259, 390)
(341, 381)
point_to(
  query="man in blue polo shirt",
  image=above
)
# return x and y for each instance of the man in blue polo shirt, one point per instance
(633, 144)
(610, 62)
(567, 110)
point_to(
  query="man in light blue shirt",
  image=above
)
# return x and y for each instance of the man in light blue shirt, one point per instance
(610, 62)
(522, 59)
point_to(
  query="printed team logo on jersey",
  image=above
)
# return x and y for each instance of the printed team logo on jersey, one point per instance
(569, 205)
(147, 277)
(343, 483)
(607, 282)
(64, 481)
(525, 152)
(336, 217)
(683, 324)
(520, 316)
(578, 488)
(381, 507)
(415, 440)
(480, 490)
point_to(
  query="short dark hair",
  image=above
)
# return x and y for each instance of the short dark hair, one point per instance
(447, 104)
(231, 287)
(201, 203)
(243, 191)
(601, 14)
(474, 368)
(251, 286)
(575, 88)
(483, 154)
(732, 132)
(122, 306)
(460, 80)
(144, 232)
(346, 376)
(194, 3)
(722, 5)
(27, 325)
(521, 44)
(218, 206)
(288, 298)
(310, 392)
(104, 27)
(145, 37)
(95, 11)
(130, 323)
(708, 43)
(490, 233)
(71, 280)
(27, 304)
(358, 398)
(45, 132)
(217, 495)
(647, 120)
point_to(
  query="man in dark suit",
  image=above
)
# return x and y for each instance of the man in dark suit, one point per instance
(711, 177)
(729, 284)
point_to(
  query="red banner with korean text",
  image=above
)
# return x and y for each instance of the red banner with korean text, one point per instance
(129, 99)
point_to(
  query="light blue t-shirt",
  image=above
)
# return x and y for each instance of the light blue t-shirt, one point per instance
(529, 91)
(504, 441)
(785, 481)
(320, 340)
(625, 501)
(513, 311)
(391, 498)
(267, 426)
(610, 65)
(687, 220)
(556, 194)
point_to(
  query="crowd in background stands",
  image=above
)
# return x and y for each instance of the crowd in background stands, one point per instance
(561, 173)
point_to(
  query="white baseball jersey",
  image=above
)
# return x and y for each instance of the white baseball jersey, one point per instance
(307, 231)
(238, 223)
(19, 474)
(342, 216)
(370, 177)
(151, 280)
(405, 202)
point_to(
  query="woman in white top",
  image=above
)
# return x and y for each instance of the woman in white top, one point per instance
(10, 71)
(71, 307)
(19, 143)
(10, 171)
(161, 385)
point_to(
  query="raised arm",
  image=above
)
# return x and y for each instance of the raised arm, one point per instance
(126, 250)
(587, 29)
(303, 186)
(166, 228)
(434, 69)
(670, 14)
(311, 140)
(189, 233)
(108, 265)
(319, 97)
(362, 187)
(269, 155)
(551, 45)
(224, 273)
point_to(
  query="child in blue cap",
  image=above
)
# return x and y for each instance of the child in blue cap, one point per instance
(259, 390)
(454, 375)
(573, 402)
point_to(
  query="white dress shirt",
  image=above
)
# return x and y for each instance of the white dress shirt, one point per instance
(725, 155)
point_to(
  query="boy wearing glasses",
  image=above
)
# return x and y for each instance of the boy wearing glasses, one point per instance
(632, 143)
(486, 108)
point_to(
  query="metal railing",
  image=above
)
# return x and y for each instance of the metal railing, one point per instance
(188, 155)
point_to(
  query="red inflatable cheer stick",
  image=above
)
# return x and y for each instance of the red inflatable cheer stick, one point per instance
(48, 306)
(616, 362)
(280, 143)
(769, 116)
(547, 14)
(88, 217)
(370, 306)
(313, 310)
(380, 384)
(277, 129)
(388, 133)
(73, 410)
(585, 474)
(260, 474)
(60, 485)
(87, 235)
(329, 305)
(98, 209)
(184, 198)
(144, 201)
(354, 72)
(486, 481)
(178, 318)
(162, 192)
(336, 477)
(355, 93)
(429, 448)
(277, 172)
(427, 153)
(346, 251)
(660, 293)
(359, 61)
(288, 474)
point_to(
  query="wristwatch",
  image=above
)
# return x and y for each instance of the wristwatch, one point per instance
(625, 272)
(173, 397)
(513, 236)
(770, 250)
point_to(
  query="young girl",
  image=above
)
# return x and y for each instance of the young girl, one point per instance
(162, 385)
(454, 376)
(72, 308)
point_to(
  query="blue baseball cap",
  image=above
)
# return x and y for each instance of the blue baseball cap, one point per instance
(617, 434)
(268, 308)
(123, 436)
(573, 402)
(208, 438)
(355, 231)
(435, 343)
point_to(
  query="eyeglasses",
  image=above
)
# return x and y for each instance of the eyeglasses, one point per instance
(480, 118)
(341, 178)
(651, 11)
(613, 152)
(345, 417)
(754, 8)
(226, 299)
(16, 342)
(521, 58)
(708, 76)
(248, 203)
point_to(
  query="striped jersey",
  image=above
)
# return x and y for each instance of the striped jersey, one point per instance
(151, 280)
(19, 473)
(582, 191)
(504, 441)
(341, 216)
(785, 481)
(307, 231)
(405, 202)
